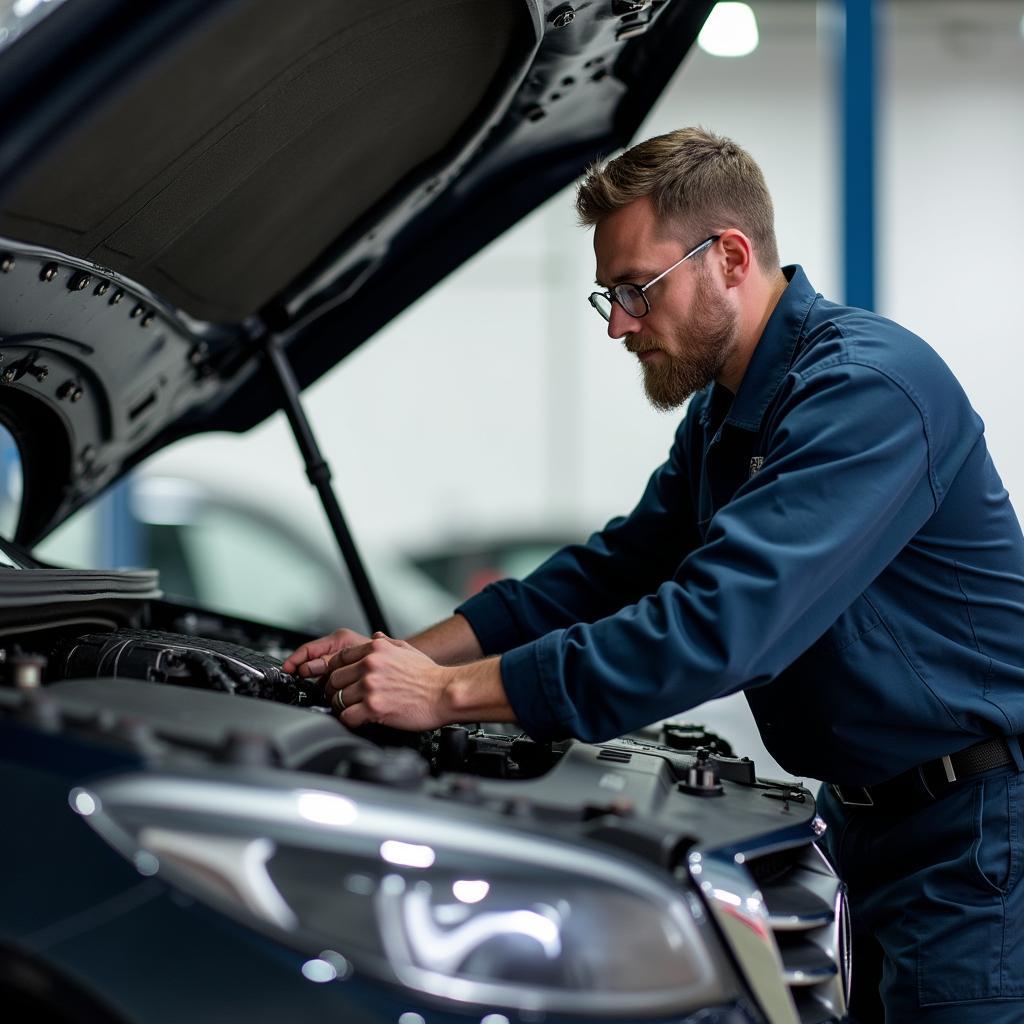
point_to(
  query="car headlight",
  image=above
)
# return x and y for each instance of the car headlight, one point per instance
(445, 901)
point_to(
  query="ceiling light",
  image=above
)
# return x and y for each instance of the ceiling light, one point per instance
(730, 31)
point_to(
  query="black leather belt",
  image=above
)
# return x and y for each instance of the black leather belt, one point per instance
(928, 781)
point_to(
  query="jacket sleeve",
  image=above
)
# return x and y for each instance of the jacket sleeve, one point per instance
(630, 557)
(844, 486)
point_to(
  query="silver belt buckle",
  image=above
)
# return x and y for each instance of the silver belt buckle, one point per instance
(854, 796)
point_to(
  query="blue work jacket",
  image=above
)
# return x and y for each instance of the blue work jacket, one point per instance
(834, 541)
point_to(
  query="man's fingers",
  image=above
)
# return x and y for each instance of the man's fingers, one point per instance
(300, 656)
(348, 656)
(390, 639)
(311, 658)
(309, 651)
(342, 677)
(356, 652)
(355, 716)
(351, 695)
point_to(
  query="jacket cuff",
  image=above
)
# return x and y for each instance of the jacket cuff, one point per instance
(489, 617)
(530, 677)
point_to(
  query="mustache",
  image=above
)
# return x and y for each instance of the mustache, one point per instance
(636, 344)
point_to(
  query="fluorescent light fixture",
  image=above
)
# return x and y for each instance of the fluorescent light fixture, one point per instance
(730, 31)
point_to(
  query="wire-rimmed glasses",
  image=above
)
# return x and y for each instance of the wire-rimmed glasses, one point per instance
(632, 297)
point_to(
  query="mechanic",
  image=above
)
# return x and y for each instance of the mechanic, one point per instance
(828, 534)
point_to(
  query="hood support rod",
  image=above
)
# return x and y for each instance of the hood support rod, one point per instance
(319, 474)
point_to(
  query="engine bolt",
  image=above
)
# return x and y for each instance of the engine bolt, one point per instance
(27, 670)
(78, 282)
(49, 272)
(6, 263)
(562, 16)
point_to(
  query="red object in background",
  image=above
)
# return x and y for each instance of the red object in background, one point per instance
(478, 579)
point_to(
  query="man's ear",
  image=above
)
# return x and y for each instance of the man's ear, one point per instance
(737, 257)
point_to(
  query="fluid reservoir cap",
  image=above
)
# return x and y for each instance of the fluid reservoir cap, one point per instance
(26, 670)
(702, 777)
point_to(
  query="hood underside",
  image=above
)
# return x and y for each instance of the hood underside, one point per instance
(242, 170)
(231, 160)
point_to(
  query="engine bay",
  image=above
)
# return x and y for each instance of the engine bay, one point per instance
(169, 687)
(168, 691)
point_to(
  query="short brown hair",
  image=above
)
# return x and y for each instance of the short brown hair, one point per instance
(695, 179)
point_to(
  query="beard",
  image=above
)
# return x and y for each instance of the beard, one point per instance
(700, 348)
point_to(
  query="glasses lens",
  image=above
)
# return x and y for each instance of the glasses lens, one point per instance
(601, 303)
(631, 299)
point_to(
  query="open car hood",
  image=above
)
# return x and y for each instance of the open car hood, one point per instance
(182, 182)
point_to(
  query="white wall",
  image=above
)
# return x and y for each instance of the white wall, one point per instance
(498, 402)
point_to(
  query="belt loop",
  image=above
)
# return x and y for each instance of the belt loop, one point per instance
(1013, 744)
(859, 796)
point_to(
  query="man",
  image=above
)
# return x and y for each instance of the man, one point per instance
(828, 534)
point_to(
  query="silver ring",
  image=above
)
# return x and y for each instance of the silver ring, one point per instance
(340, 698)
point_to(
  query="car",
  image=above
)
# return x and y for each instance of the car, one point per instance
(203, 207)
(214, 548)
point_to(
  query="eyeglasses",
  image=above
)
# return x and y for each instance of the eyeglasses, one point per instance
(632, 297)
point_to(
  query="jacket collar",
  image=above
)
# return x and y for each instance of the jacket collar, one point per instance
(773, 354)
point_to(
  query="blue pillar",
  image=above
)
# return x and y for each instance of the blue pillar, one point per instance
(119, 536)
(857, 93)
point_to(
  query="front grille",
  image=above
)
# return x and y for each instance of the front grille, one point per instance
(807, 914)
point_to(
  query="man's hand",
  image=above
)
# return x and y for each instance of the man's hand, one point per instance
(389, 682)
(312, 658)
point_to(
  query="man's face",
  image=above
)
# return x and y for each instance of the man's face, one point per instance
(683, 342)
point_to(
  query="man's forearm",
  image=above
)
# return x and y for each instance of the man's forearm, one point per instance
(451, 642)
(475, 693)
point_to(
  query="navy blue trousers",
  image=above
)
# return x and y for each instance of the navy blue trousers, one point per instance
(937, 903)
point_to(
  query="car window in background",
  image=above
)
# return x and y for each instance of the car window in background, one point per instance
(467, 566)
(10, 484)
(239, 565)
(227, 552)
(211, 549)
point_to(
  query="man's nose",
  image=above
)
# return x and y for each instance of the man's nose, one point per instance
(620, 323)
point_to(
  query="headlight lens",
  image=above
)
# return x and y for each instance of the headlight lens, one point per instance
(455, 905)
